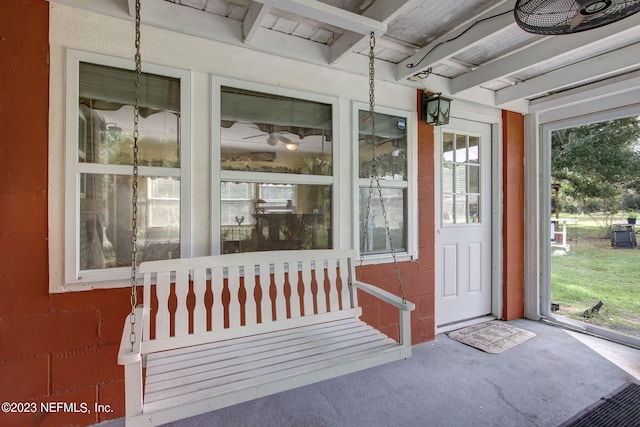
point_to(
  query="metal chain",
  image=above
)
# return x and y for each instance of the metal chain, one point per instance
(371, 117)
(134, 184)
(374, 175)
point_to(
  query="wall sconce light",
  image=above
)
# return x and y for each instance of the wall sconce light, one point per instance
(291, 146)
(435, 109)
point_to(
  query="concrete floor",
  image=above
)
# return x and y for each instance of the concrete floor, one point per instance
(542, 382)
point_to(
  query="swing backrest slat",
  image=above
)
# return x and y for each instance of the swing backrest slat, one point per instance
(196, 297)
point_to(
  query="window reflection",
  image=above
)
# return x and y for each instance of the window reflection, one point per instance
(394, 206)
(269, 133)
(263, 216)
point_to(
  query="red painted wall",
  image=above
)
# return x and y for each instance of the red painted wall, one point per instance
(53, 348)
(513, 214)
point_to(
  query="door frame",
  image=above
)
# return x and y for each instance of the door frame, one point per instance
(493, 118)
(538, 252)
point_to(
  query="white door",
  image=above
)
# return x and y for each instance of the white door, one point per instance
(463, 221)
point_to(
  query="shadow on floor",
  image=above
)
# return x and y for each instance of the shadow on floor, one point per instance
(541, 382)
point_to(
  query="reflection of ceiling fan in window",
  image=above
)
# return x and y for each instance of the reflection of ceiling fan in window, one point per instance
(274, 137)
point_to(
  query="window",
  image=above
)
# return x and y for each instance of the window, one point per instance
(391, 144)
(460, 179)
(276, 171)
(99, 170)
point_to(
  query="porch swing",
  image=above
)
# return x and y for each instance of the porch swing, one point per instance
(219, 330)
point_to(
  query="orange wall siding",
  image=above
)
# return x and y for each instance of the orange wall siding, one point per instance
(513, 214)
(53, 348)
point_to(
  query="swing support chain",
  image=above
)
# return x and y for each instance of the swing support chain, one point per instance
(374, 176)
(134, 182)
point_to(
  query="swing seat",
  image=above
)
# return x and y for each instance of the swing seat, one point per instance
(220, 330)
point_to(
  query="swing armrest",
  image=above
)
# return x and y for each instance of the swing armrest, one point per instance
(126, 356)
(385, 296)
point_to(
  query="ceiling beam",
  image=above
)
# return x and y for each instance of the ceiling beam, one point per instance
(382, 11)
(588, 93)
(599, 67)
(131, 4)
(463, 37)
(328, 14)
(253, 19)
(542, 50)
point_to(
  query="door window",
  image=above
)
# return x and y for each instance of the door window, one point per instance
(460, 178)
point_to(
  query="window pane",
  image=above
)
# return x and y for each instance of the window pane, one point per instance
(447, 210)
(447, 147)
(268, 133)
(105, 220)
(105, 125)
(461, 148)
(461, 209)
(474, 179)
(395, 208)
(280, 216)
(474, 151)
(473, 208)
(390, 141)
(461, 179)
(447, 178)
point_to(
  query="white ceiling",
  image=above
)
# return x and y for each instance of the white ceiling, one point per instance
(474, 48)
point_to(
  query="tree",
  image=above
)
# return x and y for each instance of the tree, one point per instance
(598, 161)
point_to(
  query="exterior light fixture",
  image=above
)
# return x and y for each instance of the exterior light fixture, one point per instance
(291, 146)
(435, 109)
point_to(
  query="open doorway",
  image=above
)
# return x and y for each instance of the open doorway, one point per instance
(590, 260)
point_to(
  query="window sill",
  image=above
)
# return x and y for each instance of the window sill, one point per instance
(386, 258)
(91, 285)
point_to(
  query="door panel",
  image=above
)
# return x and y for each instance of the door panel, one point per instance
(463, 215)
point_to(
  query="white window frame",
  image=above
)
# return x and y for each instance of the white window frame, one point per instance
(73, 278)
(410, 185)
(218, 175)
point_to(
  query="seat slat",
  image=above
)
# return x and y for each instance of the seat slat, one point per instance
(238, 369)
(203, 390)
(279, 365)
(194, 352)
(212, 360)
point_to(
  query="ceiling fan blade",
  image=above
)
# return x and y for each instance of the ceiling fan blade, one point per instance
(284, 139)
(255, 136)
(577, 20)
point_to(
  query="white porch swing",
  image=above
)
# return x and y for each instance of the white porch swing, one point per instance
(220, 330)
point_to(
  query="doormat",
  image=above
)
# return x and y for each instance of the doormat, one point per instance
(620, 408)
(492, 337)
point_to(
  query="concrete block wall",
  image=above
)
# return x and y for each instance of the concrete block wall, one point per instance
(53, 348)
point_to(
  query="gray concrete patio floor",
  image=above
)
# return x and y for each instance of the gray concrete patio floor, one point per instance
(542, 382)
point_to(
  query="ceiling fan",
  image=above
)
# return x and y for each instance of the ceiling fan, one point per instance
(274, 137)
(554, 17)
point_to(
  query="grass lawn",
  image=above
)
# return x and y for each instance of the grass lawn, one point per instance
(594, 271)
